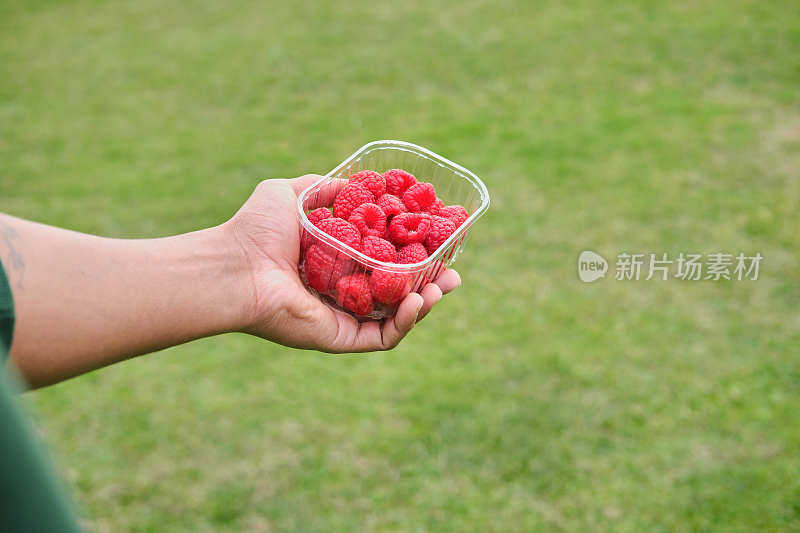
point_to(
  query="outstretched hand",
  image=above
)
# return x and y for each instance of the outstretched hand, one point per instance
(282, 310)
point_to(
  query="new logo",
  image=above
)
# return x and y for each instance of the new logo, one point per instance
(591, 266)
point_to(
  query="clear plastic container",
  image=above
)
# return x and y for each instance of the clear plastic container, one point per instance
(454, 185)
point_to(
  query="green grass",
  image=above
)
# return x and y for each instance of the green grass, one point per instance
(528, 401)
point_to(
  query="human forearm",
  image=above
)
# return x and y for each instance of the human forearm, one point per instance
(83, 302)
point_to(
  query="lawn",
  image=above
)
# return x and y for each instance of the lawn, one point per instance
(528, 401)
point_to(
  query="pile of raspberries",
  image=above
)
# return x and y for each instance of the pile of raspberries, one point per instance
(390, 217)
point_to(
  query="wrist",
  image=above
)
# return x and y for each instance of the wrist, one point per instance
(231, 276)
(212, 284)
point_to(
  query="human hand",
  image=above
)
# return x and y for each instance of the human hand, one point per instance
(281, 309)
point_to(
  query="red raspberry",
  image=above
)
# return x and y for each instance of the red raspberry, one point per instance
(319, 214)
(369, 219)
(441, 229)
(397, 181)
(315, 217)
(434, 209)
(306, 240)
(379, 249)
(341, 230)
(413, 253)
(350, 197)
(323, 267)
(352, 293)
(373, 181)
(389, 287)
(317, 266)
(419, 197)
(456, 213)
(391, 205)
(406, 228)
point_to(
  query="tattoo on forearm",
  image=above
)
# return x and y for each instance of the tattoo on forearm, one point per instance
(16, 264)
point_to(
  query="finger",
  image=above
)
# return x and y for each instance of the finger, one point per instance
(397, 327)
(366, 337)
(431, 294)
(304, 182)
(448, 281)
(335, 331)
(326, 194)
(323, 196)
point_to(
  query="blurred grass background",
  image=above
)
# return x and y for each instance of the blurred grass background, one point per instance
(528, 401)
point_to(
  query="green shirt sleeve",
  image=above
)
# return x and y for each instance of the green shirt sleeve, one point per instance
(6, 316)
(30, 498)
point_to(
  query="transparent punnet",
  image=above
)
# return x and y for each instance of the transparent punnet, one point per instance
(346, 268)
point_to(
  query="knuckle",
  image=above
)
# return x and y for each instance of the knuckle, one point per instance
(391, 345)
(264, 184)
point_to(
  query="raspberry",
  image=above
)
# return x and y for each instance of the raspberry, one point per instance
(406, 228)
(434, 209)
(319, 214)
(391, 205)
(413, 253)
(352, 293)
(441, 229)
(369, 219)
(323, 267)
(379, 249)
(397, 181)
(341, 230)
(350, 197)
(315, 217)
(456, 213)
(373, 181)
(419, 197)
(306, 239)
(389, 287)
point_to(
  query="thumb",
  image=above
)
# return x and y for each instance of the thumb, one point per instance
(304, 182)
